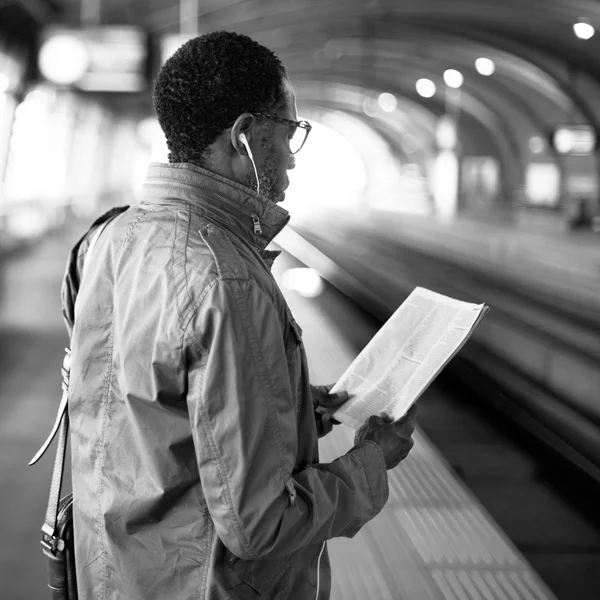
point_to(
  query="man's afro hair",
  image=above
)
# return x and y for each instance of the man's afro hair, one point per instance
(209, 82)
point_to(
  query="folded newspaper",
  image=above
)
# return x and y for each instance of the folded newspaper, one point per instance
(406, 355)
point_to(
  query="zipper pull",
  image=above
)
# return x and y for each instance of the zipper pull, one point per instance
(256, 222)
(291, 491)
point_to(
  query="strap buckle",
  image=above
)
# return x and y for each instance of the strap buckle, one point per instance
(50, 542)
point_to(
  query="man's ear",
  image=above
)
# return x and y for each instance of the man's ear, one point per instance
(243, 124)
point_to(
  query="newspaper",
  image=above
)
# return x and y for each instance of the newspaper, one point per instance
(405, 356)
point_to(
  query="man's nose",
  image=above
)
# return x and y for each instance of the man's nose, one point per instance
(291, 162)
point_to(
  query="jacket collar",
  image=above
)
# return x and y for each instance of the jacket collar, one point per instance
(250, 215)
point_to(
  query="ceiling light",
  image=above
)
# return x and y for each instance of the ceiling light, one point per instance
(387, 102)
(63, 59)
(426, 88)
(583, 29)
(564, 141)
(485, 66)
(453, 78)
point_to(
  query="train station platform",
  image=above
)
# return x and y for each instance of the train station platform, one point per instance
(433, 541)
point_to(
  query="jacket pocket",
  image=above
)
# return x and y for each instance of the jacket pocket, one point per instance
(260, 575)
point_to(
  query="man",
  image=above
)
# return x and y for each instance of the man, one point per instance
(194, 427)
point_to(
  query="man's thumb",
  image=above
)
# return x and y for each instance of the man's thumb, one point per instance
(335, 399)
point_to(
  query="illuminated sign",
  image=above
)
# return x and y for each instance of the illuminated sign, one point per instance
(96, 59)
(542, 184)
(577, 140)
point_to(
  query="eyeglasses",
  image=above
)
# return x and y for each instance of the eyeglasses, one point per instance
(299, 131)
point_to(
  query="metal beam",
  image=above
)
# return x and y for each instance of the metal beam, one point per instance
(188, 17)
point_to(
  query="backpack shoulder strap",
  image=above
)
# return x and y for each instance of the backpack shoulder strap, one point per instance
(62, 408)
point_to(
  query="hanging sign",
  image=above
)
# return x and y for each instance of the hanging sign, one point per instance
(110, 58)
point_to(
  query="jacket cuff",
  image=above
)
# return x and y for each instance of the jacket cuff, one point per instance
(373, 465)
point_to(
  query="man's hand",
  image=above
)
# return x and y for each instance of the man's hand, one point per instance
(325, 405)
(393, 437)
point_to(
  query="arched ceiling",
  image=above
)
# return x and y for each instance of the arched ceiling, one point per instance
(545, 75)
(532, 41)
(436, 33)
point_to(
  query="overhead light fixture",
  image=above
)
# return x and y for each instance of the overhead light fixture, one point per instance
(453, 78)
(485, 66)
(103, 58)
(578, 140)
(63, 59)
(583, 29)
(387, 102)
(426, 88)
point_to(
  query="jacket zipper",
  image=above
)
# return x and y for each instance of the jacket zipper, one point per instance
(291, 491)
(255, 217)
(256, 223)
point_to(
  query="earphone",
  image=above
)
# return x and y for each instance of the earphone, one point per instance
(244, 141)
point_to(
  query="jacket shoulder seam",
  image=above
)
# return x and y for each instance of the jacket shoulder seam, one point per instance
(131, 229)
(172, 262)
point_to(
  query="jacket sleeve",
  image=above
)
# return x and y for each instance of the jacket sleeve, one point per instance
(245, 433)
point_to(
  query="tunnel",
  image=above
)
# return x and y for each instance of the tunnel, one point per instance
(454, 147)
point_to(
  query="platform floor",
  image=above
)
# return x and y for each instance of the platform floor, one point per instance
(432, 541)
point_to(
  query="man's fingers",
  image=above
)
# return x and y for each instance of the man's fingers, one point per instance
(325, 410)
(406, 425)
(409, 416)
(322, 390)
(332, 400)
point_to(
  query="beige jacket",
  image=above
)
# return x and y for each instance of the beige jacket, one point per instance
(196, 470)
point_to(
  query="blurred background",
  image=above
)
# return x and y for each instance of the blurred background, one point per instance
(454, 147)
